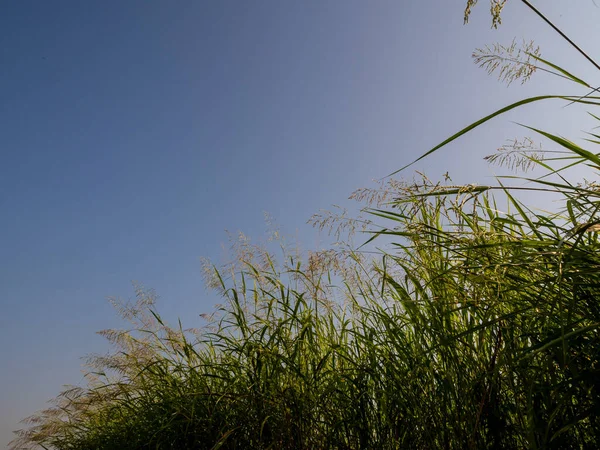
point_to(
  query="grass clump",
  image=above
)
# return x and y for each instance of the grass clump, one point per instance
(473, 324)
(469, 328)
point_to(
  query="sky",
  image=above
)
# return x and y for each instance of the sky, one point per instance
(134, 134)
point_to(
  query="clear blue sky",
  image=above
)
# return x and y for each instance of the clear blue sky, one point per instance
(133, 133)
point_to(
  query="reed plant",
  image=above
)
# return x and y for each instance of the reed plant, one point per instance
(465, 319)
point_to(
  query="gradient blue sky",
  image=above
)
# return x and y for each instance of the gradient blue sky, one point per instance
(133, 133)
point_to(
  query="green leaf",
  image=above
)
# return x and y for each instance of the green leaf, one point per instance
(482, 121)
(569, 145)
(561, 70)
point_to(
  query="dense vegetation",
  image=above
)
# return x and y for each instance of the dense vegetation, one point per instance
(472, 324)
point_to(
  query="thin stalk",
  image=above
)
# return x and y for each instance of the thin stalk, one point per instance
(555, 28)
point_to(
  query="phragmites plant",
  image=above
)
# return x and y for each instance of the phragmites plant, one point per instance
(496, 7)
(510, 62)
(520, 156)
(463, 318)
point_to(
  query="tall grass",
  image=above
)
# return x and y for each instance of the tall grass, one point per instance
(474, 329)
(474, 324)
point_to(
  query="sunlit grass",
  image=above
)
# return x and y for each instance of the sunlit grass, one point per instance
(473, 327)
(471, 322)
